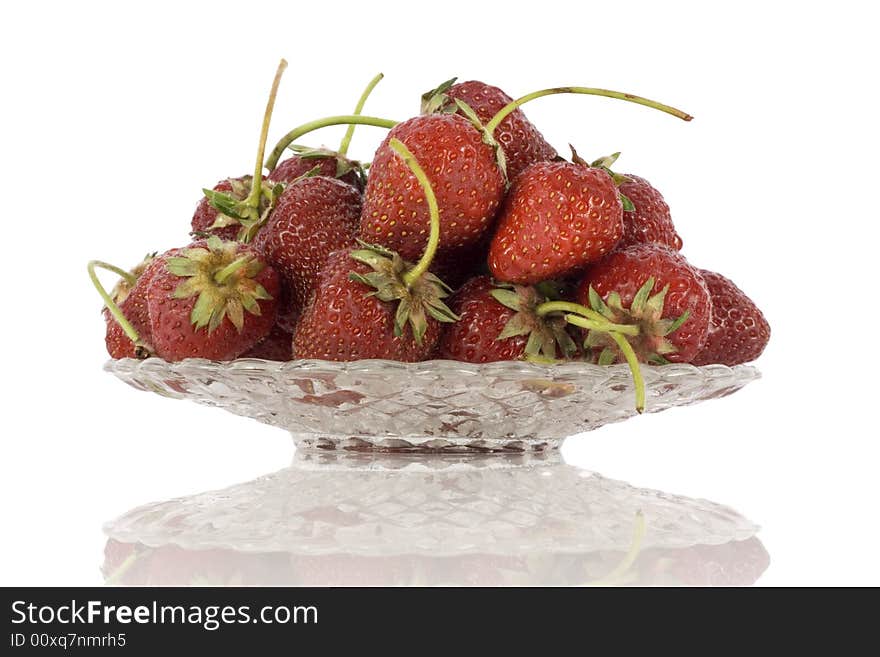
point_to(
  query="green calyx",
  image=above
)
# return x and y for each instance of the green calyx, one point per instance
(547, 335)
(436, 101)
(237, 208)
(652, 344)
(415, 301)
(605, 164)
(223, 279)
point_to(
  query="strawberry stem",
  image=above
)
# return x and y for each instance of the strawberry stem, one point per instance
(346, 140)
(591, 91)
(630, 355)
(604, 325)
(253, 199)
(114, 309)
(306, 128)
(601, 323)
(424, 262)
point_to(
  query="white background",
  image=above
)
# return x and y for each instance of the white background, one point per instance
(113, 118)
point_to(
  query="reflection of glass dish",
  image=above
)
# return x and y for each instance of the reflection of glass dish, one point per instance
(334, 518)
(434, 405)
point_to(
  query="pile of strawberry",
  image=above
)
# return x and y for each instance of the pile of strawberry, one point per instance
(467, 237)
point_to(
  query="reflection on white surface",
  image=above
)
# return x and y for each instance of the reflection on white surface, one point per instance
(335, 518)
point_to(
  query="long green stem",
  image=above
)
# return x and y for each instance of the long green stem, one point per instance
(114, 309)
(576, 308)
(424, 262)
(253, 199)
(590, 91)
(594, 325)
(630, 355)
(346, 140)
(306, 128)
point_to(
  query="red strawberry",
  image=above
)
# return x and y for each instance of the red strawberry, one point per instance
(328, 163)
(558, 217)
(523, 144)
(213, 299)
(738, 331)
(344, 320)
(655, 288)
(496, 323)
(370, 303)
(463, 172)
(651, 220)
(278, 345)
(312, 218)
(130, 295)
(456, 267)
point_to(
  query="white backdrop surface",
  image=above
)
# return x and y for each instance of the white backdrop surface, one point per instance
(114, 118)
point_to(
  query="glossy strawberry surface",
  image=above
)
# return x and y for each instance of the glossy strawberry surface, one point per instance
(625, 271)
(278, 345)
(557, 218)
(738, 332)
(344, 322)
(293, 167)
(523, 144)
(473, 337)
(651, 221)
(463, 173)
(312, 218)
(134, 306)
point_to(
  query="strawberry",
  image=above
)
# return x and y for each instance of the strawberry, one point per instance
(456, 267)
(312, 218)
(213, 299)
(738, 331)
(646, 217)
(656, 289)
(650, 221)
(500, 323)
(521, 141)
(319, 162)
(371, 303)
(557, 218)
(129, 294)
(463, 172)
(278, 345)
(346, 320)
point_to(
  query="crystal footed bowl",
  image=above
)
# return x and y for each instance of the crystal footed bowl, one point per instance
(429, 406)
(341, 518)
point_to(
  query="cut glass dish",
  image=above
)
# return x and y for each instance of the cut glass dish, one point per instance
(429, 406)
